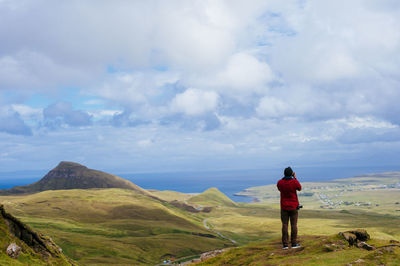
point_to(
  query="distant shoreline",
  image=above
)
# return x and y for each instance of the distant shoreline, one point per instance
(230, 182)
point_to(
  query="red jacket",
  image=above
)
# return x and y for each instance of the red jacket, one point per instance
(288, 188)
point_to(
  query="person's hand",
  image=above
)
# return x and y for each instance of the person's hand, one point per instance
(294, 174)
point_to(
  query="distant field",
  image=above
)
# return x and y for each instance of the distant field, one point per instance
(373, 193)
(373, 203)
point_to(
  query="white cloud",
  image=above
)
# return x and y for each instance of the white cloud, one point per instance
(195, 102)
(27, 113)
(144, 143)
(335, 66)
(322, 72)
(98, 114)
(244, 73)
(364, 122)
(27, 70)
(137, 91)
(272, 107)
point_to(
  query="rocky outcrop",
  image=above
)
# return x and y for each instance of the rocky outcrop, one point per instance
(41, 245)
(212, 254)
(206, 256)
(354, 236)
(357, 238)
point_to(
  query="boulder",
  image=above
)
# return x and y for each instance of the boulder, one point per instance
(361, 234)
(13, 250)
(365, 246)
(349, 237)
(354, 236)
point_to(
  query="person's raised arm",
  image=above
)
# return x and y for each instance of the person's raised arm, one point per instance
(298, 187)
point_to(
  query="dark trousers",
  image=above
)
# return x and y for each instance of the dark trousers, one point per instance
(287, 215)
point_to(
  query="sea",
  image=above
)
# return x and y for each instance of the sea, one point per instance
(227, 181)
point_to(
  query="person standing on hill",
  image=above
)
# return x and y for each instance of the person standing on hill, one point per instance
(288, 187)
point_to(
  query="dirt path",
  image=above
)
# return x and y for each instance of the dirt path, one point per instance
(218, 233)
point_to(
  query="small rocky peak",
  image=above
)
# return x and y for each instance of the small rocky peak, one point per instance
(69, 165)
(65, 170)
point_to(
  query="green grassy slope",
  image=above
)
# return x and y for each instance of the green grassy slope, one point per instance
(212, 197)
(316, 250)
(113, 225)
(254, 222)
(30, 254)
(168, 195)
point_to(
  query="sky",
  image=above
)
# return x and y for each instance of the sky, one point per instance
(193, 85)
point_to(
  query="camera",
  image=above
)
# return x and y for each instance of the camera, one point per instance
(299, 207)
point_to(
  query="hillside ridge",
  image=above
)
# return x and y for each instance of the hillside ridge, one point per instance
(212, 197)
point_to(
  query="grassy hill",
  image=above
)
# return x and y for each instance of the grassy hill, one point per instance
(36, 249)
(315, 250)
(114, 225)
(212, 197)
(70, 175)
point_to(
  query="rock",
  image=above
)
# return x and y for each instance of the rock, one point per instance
(212, 254)
(13, 250)
(354, 236)
(365, 246)
(350, 237)
(361, 234)
(329, 248)
(359, 261)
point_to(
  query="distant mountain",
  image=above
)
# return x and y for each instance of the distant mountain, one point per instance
(70, 175)
(24, 246)
(212, 197)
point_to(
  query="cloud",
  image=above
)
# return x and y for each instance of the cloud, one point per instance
(127, 119)
(28, 113)
(273, 107)
(145, 143)
(194, 102)
(369, 135)
(13, 124)
(62, 113)
(25, 69)
(245, 72)
(249, 77)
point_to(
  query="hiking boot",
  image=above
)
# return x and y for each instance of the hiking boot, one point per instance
(296, 246)
(285, 247)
